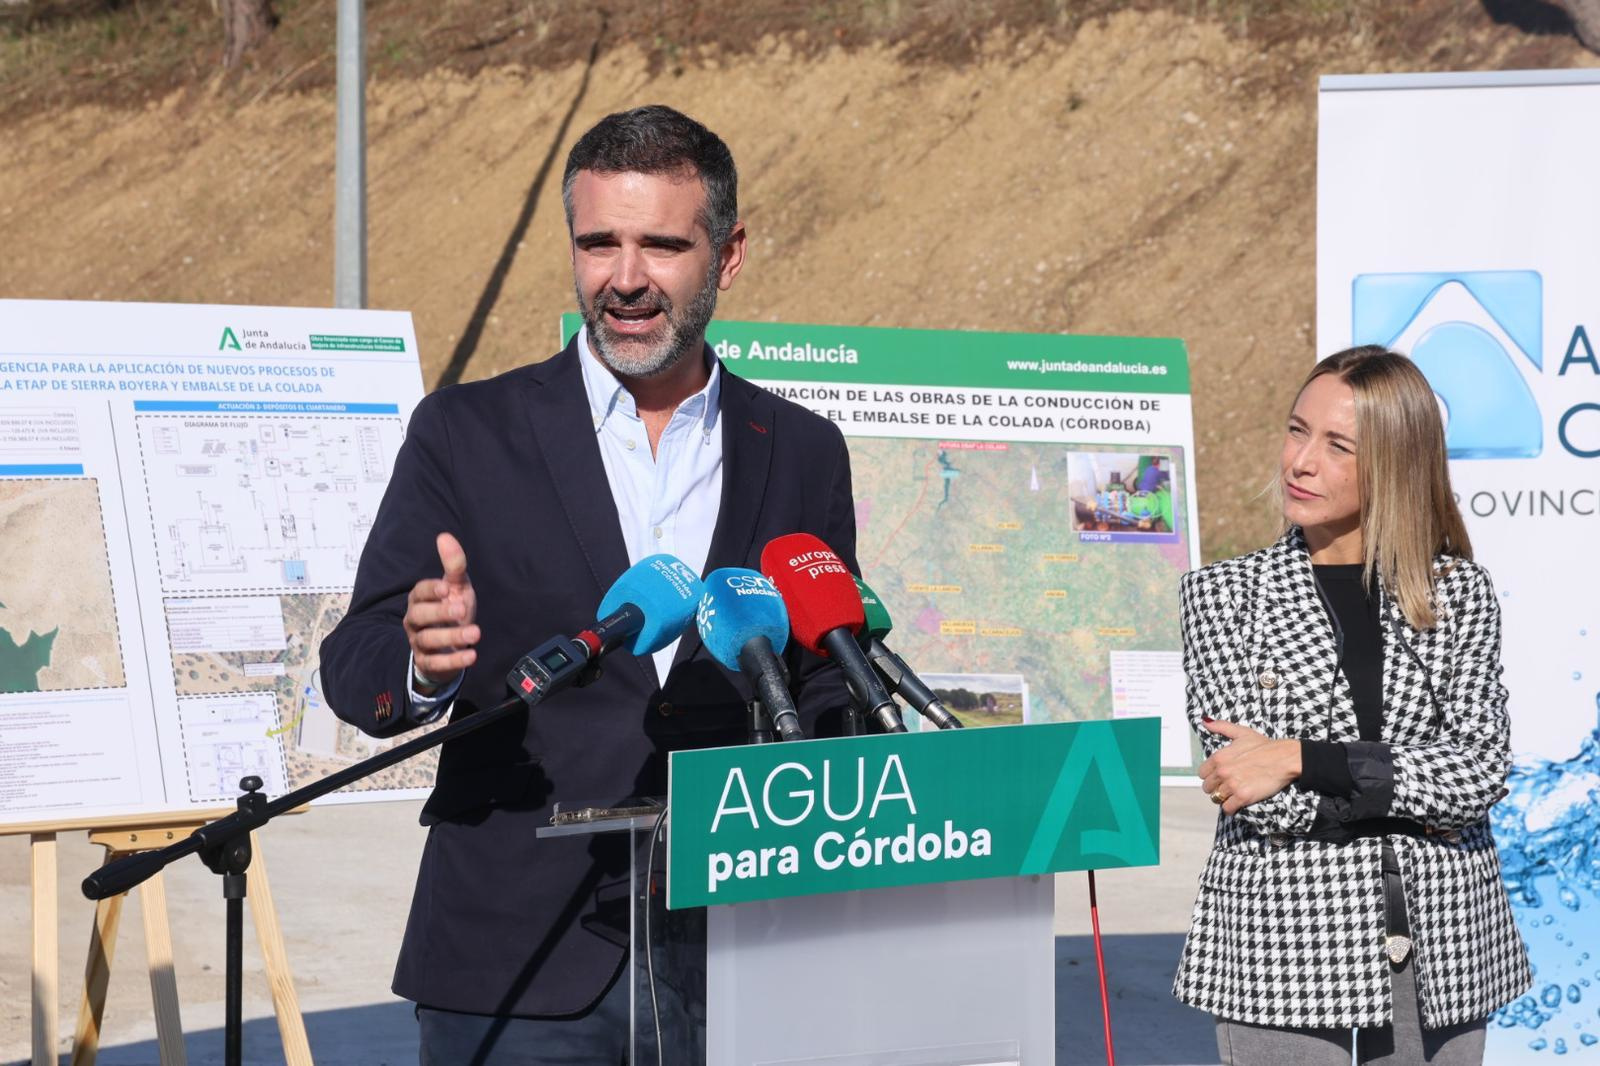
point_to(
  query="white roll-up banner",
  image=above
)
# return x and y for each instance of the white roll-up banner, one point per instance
(1458, 221)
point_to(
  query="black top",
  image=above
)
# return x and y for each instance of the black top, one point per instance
(1325, 766)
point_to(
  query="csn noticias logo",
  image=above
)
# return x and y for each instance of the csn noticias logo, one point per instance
(1479, 338)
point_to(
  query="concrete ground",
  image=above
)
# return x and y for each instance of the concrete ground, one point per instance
(341, 878)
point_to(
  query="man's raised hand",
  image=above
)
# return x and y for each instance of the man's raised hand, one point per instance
(440, 621)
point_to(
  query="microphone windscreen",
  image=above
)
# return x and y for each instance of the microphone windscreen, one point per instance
(876, 622)
(740, 605)
(816, 587)
(665, 590)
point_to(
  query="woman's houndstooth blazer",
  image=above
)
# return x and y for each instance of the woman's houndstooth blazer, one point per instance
(1289, 931)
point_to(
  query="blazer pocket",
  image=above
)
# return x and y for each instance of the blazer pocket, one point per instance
(466, 791)
(1234, 872)
(1478, 853)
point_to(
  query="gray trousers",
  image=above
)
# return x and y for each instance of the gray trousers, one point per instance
(1404, 1043)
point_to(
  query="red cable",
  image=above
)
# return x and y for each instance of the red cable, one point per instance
(1100, 963)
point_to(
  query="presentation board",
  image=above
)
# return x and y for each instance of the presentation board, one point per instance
(1025, 504)
(1457, 222)
(185, 492)
(184, 495)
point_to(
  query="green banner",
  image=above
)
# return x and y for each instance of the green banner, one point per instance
(869, 355)
(338, 342)
(777, 820)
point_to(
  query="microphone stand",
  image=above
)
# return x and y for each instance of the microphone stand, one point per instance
(224, 844)
(761, 728)
(852, 720)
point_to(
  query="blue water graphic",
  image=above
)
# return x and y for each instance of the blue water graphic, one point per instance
(1548, 832)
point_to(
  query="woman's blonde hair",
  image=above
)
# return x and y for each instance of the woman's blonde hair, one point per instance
(1408, 513)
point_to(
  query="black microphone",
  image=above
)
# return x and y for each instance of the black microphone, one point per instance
(745, 627)
(893, 669)
(825, 615)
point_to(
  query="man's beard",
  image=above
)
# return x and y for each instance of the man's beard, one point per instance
(638, 357)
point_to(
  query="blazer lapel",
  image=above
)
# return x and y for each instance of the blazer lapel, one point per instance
(1296, 653)
(747, 428)
(558, 410)
(1408, 685)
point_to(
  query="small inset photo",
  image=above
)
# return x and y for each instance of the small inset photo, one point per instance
(1122, 497)
(979, 699)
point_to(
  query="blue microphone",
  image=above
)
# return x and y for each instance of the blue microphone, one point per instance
(645, 609)
(648, 607)
(745, 626)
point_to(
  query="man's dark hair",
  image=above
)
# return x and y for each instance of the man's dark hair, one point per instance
(659, 140)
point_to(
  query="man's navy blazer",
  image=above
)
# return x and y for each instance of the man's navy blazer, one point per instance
(503, 922)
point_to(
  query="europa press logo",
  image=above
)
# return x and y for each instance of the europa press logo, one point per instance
(1475, 334)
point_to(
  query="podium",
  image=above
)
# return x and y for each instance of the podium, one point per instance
(670, 942)
(954, 974)
(876, 901)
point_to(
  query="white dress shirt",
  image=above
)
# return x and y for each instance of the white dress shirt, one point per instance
(667, 502)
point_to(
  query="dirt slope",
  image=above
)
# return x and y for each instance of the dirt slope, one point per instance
(1152, 175)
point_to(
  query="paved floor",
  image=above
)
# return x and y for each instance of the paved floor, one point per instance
(341, 877)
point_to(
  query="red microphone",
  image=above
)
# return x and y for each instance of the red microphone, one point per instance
(825, 614)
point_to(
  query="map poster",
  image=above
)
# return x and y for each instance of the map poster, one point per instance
(1025, 504)
(184, 495)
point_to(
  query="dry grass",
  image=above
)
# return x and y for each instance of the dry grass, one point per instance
(999, 165)
(126, 53)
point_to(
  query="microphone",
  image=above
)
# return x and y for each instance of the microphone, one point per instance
(744, 625)
(825, 613)
(645, 609)
(893, 669)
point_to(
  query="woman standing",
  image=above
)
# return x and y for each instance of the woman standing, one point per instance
(1345, 684)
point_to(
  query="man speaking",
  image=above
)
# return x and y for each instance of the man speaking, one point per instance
(514, 504)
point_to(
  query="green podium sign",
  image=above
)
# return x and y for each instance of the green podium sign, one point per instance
(777, 820)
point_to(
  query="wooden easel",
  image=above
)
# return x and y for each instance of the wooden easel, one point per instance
(122, 838)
